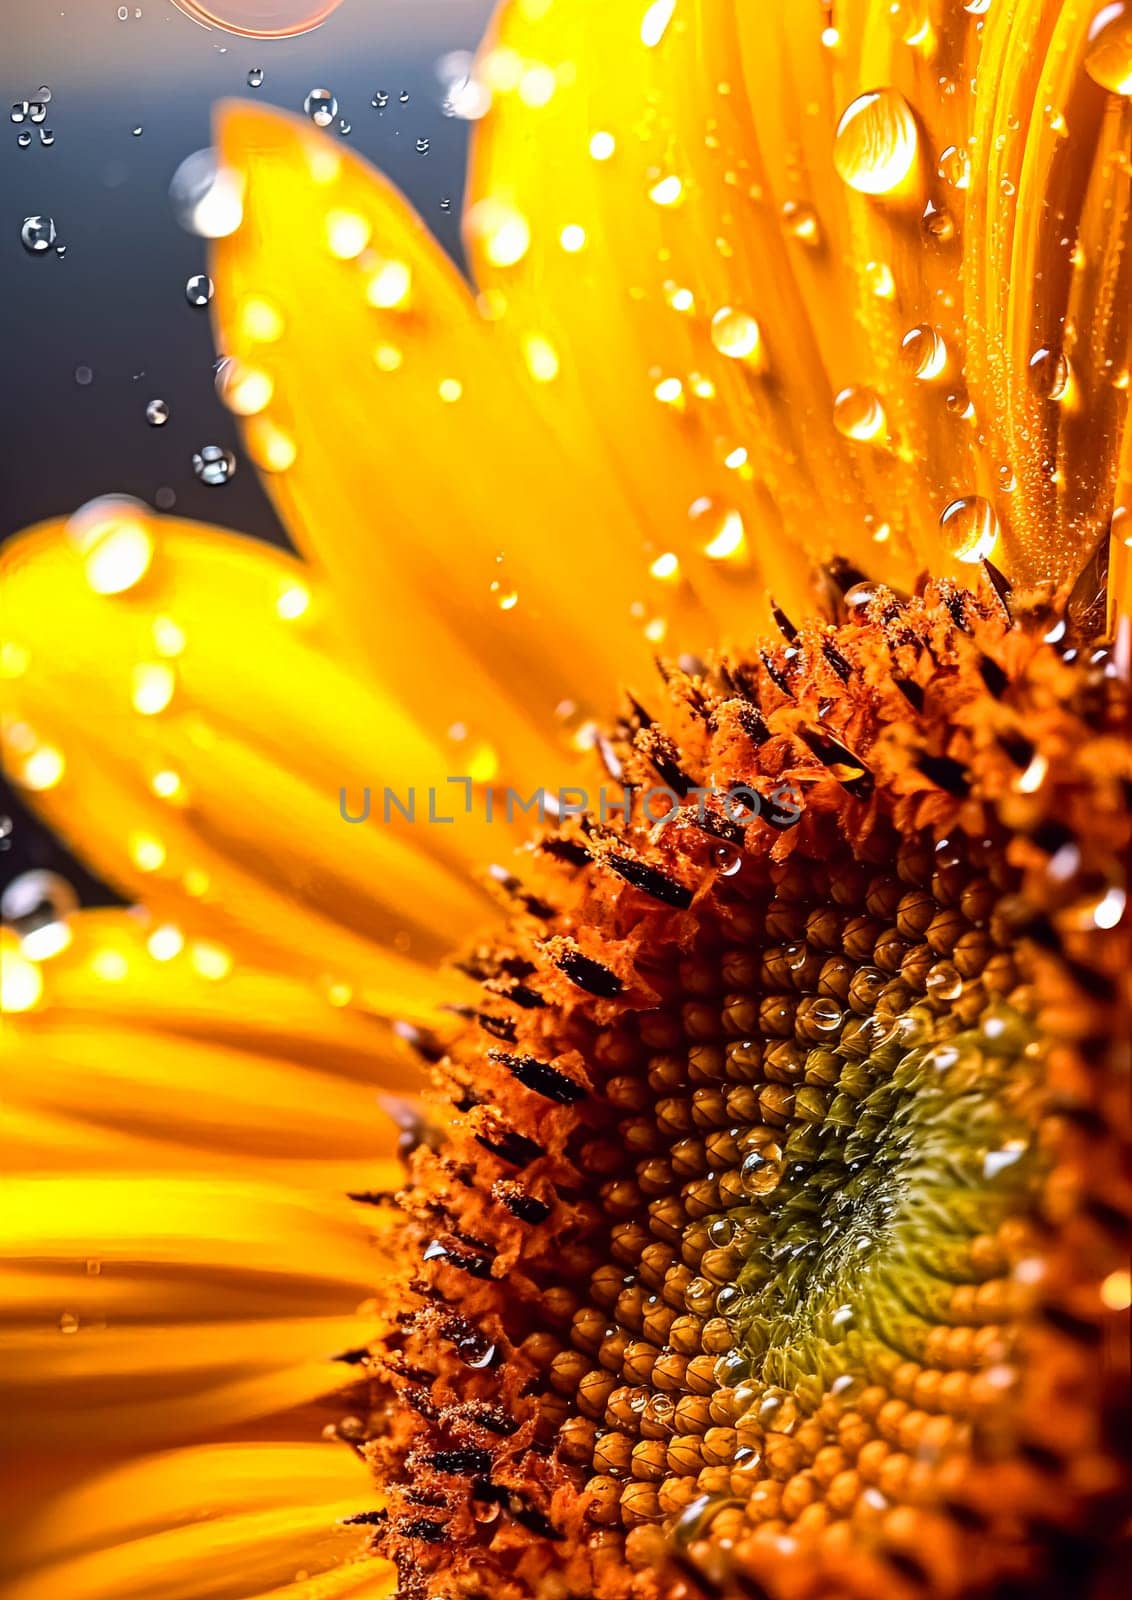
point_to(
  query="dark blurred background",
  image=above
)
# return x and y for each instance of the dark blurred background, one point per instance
(92, 335)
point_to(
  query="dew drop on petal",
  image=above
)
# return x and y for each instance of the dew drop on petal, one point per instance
(602, 146)
(924, 352)
(875, 147)
(503, 232)
(244, 389)
(735, 333)
(970, 527)
(720, 528)
(37, 234)
(154, 684)
(666, 191)
(655, 21)
(1108, 58)
(1049, 374)
(207, 199)
(801, 221)
(37, 905)
(113, 537)
(858, 414)
(955, 167)
(214, 465)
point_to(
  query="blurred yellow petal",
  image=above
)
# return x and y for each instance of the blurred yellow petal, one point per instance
(209, 780)
(424, 479)
(218, 1522)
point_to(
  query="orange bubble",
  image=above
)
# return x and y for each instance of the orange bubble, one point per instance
(260, 19)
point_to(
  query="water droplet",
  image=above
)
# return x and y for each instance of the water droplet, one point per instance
(955, 167)
(37, 234)
(321, 107)
(1049, 374)
(977, 8)
(84, 376)
(924, 352)
(938, 221)
(735, 333)
(23, 140)
(244, 389)
(198, 289)
(858, 414)
(666, 191)
(214, 465)
(801, 220)
(380, 100)
(721, 528)
(875, 146)
(157, 413)
(970, 527)
(37, 111)
(762, 1171)
(255, 77)
(345, 128)
(36, 905)
(503, 233)
(138, 131)
(727, 859)
(403, 97)
(423, 147)
(19, 110)
(207, 199)
(655, 21)
(879, 280)
(255, 20)
(824, 1015)
(1108, 59)
(46, 138)
(602, 146)
(113, 537)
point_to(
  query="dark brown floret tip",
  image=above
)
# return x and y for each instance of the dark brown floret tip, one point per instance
(776, 1243)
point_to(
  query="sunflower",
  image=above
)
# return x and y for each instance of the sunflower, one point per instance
(746, 1207)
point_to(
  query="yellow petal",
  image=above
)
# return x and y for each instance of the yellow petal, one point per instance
(218, 1522)
(490, 566)
(203, 746)
(806, 200)
(176, 1304)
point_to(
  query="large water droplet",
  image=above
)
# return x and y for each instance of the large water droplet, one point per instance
(735, 333)
(1108, 59)
(113, 537)
(37, 234)
(858, 413)
(875, 147)
(955, 167)
(1049, 373)
(207, 199)
(970, 527)
(37, 905)
(259, 19)
(255, 77)
(214, 465)
(321, 107)
(924, 352)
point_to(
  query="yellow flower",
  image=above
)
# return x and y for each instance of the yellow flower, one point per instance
(766, 1228)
